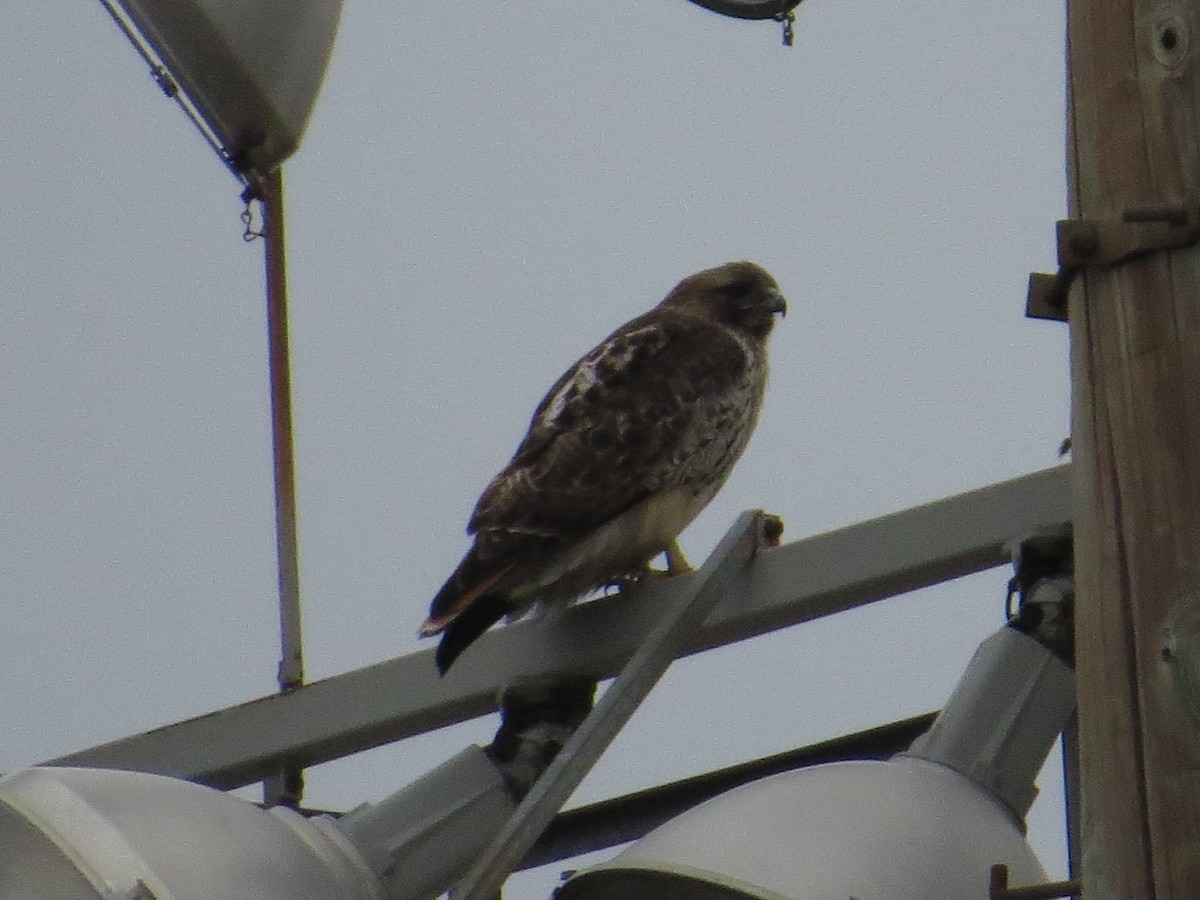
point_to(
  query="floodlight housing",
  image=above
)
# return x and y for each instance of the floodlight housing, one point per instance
(251, 71)
(103, 834)
(927, 824)
(901, 829)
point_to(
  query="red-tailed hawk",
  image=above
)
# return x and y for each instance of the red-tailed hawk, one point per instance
(622, 453)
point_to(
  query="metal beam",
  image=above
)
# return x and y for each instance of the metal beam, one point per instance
(803, 580)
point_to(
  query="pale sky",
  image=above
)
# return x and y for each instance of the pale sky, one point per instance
(484, 192)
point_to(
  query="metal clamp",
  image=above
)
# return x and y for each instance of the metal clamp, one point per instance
(1084, 243)
(1043, 584)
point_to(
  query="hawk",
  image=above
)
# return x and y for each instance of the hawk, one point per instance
(622, 453)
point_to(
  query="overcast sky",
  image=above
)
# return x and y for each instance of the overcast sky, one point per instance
(485, 191)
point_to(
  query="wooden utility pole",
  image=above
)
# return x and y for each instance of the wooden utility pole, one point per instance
(1135, 362)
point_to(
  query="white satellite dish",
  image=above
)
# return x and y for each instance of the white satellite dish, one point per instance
(250, 68)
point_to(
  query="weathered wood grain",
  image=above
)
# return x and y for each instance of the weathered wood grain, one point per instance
(1136, 427)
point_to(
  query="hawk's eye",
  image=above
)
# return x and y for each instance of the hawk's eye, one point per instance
(743, 287)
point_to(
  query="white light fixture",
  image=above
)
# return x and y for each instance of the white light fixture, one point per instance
(924, 825)
(104, 834)
(250, 69)
(903, 829)
(99, 834)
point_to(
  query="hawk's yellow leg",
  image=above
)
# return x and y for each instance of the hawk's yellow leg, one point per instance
(677, 563)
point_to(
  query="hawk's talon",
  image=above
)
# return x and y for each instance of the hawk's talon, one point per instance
(648, 573)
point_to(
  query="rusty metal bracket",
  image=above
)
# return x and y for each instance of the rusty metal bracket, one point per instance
(998, 888)
(1086, 243)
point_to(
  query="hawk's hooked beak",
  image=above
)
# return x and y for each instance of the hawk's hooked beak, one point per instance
(776, 304)
(759, 311)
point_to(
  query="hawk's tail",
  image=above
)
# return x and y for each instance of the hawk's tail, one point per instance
(472, 622)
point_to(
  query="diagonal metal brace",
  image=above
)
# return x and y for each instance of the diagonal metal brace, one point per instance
(752, 530)
(1086, 243)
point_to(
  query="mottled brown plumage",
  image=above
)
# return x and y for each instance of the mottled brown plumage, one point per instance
(622, 453)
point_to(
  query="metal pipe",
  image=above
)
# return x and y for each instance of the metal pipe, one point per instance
(291, 664)
(287, 787)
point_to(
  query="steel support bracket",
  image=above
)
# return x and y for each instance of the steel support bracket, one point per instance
(1087, 243)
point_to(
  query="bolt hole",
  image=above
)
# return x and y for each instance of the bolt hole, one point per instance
(1169, 39)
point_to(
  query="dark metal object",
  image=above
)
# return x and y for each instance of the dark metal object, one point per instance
(1084, 243)
(627, 818)
(749, 9)
(998, 888)
(1045, 590)
(537, 718)
(1073, 795)
(787, 21)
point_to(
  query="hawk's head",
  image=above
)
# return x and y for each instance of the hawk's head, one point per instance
(740, 294)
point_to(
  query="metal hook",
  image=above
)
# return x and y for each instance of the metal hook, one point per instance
(251, 232)
(788, 21)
